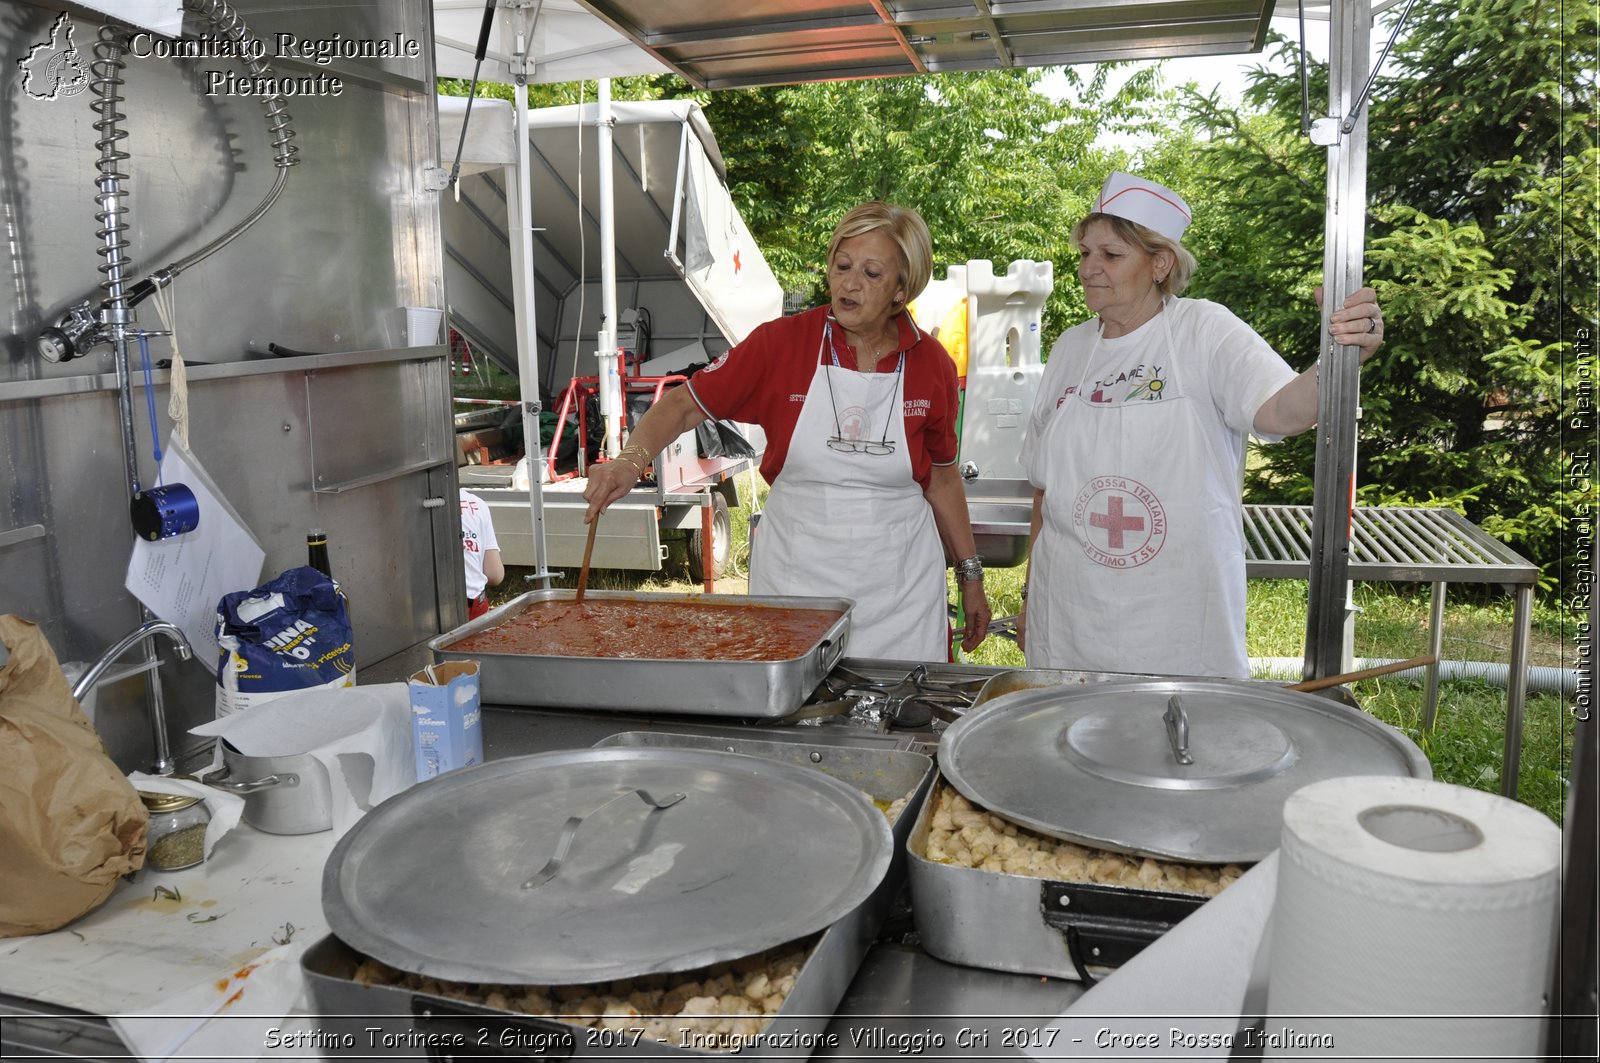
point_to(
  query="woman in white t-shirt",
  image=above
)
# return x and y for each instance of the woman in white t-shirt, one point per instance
(1136, 446)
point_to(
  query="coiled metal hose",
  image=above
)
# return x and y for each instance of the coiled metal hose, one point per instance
(106, 86)
(285, 153)
(228, 23)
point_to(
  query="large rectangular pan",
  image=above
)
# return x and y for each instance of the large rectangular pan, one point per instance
(358, 1019)
(751, 689)
(1027, 925)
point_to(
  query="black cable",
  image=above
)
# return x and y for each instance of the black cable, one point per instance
(477, 66)
(1305, 87)
(1355, 108)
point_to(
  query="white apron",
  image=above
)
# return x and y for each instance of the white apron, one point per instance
(855, 525)
(1139, 566)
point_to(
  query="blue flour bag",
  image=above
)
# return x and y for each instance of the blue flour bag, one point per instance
(290, 634)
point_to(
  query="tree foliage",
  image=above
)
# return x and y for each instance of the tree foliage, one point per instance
(998, 169)
(1481, 222)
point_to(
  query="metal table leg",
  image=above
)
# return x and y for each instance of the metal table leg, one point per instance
(1430, 705)
(1517, 688)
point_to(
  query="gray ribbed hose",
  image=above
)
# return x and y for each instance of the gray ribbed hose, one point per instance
(1542, 679)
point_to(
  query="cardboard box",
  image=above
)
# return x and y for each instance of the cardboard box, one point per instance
(446, 721)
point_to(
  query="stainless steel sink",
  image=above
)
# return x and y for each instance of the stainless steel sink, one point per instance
(1000, 511)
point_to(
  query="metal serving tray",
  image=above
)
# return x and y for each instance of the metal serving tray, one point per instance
(1028, 925)
(750, 689)
(415, 1025)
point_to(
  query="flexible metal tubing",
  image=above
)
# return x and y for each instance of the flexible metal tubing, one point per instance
(1542, 679)
(106, 87)
(284, 151)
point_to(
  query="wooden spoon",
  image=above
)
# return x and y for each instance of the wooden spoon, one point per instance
(588, 552)
(1364, 673)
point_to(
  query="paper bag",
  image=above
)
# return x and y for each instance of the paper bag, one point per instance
(70, 823)
(446, 725)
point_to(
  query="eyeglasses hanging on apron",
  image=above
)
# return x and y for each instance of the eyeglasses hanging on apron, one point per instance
(877, 448)
(840, 523)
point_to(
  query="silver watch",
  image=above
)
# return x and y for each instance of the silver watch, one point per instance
(969, 570)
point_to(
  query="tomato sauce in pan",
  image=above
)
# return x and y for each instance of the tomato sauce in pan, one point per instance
(655, 630)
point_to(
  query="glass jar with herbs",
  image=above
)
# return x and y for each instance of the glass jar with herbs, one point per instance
(177, 835)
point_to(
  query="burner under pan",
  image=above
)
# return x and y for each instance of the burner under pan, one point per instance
(901, 696)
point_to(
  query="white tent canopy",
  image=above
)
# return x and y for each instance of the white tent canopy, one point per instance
(682, 251)
(567, 42)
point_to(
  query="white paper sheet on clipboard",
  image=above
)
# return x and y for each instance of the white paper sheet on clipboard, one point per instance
(182, 579)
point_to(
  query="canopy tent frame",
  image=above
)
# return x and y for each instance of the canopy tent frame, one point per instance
(925, 36)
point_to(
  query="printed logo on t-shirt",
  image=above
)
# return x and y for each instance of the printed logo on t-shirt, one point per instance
(1120, 522)
(917, 407)
(721, 360)
(1141, 383)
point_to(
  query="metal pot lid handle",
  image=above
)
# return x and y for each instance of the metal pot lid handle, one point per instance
(1178, 730)
(1186, 769)
(569, 830)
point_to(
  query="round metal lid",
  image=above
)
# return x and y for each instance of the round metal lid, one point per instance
(164, 802)
(1101, 765)
(452, 879)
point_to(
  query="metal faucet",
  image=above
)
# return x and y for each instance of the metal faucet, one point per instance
(158, 717)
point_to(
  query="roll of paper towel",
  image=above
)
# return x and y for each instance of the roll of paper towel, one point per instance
(1413, 918)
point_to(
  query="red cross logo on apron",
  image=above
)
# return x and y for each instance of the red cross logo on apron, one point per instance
(1114, 523)
(1120, 522)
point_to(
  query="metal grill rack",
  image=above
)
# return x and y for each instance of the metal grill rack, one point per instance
(1412, 545)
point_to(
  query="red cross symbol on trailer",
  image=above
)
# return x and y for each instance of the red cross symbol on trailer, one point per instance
(1115, 522)
(1120, 522)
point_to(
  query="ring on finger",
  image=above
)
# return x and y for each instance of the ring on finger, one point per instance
(1372, 324)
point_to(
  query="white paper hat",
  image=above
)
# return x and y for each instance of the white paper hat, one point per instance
(1154, 206)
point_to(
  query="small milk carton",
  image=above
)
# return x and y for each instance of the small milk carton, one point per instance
(446, 725)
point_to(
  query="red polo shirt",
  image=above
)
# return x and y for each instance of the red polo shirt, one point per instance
(764, 381)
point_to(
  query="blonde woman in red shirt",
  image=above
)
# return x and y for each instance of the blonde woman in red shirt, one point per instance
(859, 408)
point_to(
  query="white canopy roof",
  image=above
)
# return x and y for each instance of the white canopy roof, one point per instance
(676, 224)
(569, 43)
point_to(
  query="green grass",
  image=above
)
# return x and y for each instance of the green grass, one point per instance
(1467, 742)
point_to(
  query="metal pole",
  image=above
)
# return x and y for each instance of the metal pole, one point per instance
(1516, 689)
(611, 405)
(520, 208)
(708, 542)
(1430, 697)
(1338, 367)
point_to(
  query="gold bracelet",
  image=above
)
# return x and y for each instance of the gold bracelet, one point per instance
(638, 470)
(634, 448)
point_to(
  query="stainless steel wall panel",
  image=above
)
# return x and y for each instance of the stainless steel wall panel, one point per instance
(326, 271)
(369, 425)
(352, 240)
